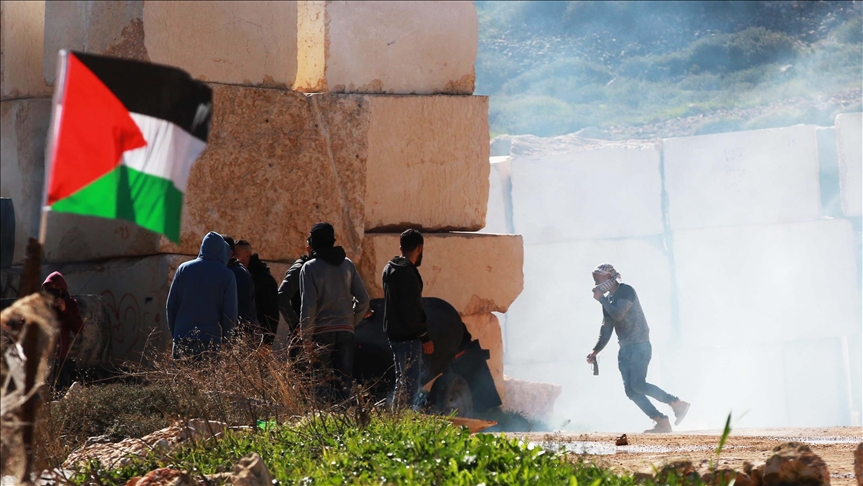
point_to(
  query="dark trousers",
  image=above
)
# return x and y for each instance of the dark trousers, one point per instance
(407, 356)
(62, 374)
(336, 361)
(194, 348)
(633, 361)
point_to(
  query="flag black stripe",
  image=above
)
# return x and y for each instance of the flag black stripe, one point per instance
(155, 90)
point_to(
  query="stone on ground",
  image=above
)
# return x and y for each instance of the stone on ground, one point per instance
(533, 399)
(795, 463)
(386, 47)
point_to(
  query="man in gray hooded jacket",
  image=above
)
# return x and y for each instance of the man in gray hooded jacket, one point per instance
(329, 285)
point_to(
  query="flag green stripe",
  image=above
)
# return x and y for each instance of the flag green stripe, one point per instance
(125, 193)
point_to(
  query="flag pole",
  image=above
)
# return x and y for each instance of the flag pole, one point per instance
(50, 149)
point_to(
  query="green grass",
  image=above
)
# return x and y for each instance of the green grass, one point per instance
(406, 449)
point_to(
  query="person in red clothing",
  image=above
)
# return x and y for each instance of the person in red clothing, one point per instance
(69, 319)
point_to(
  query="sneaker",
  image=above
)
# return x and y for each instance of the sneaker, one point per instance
(680, 408)
(663, 426)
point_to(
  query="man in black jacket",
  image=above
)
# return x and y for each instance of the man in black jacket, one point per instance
(266, 290)
(404, 317)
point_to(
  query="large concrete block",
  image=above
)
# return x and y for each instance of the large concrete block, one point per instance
(849, 138)
(23, 129)
(422, 47)
(556, 316)
(476, 273)
(22, 28)
(498, 217)
(740, 178)
(428, 162)
(247, 43)
(767, 283)
(486, 328)
(563, 190)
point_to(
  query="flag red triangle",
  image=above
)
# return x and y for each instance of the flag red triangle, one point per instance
(95, 129)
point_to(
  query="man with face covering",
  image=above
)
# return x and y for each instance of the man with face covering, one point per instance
(621, 312)
(329, 285)
(202, 303)
(69, 317)
(405, 318)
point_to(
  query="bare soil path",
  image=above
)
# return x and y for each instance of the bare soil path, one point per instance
(835, 445)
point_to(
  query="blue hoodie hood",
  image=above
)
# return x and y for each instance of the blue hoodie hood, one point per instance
(214, 247)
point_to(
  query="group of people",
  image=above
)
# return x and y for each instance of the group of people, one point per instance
(227, 290)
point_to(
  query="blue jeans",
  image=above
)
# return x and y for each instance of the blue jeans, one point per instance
(407, 356)
(632, 362)
(336, 362)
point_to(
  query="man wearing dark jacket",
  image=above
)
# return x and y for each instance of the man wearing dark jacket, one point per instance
(266, 291)
(622, 313)
(246, 313)
(69, 317)
(202, 303)
(289, 292)
(404, 317)
(329, 284)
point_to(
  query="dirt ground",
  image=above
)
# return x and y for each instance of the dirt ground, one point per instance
(835, 445)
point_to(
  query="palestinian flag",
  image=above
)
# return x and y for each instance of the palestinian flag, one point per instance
(124, 136)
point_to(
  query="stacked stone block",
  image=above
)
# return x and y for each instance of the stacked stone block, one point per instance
(317, 117)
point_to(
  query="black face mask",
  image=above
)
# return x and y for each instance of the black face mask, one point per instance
(56, 293)
(419, 260)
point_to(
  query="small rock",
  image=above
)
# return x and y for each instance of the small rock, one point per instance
(724, 476)
(251, 471)
(621, 441)
(133, 481)
(73, 390)
(676, 467)
(166, 477)
(99, 439)
(795, 463)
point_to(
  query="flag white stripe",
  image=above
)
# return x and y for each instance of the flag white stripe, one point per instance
(170, 150)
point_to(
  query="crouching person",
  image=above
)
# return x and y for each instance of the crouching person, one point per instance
(68, 316)
(329, 284)
(202, 302)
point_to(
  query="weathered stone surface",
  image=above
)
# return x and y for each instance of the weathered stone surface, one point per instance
(111, 28)
(530, 398)
(428, 162)
(498, 218)
(248, 43)
(276, 163)
(421, 47)
(849, 139)
(250, 470)
(476, 273)
(567, 188)
(486, 328)
(791, 262)
(23, 128)
(741, 178)
(22, 28)
(795, 463)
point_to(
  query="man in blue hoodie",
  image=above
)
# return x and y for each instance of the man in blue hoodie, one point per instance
(202, 302)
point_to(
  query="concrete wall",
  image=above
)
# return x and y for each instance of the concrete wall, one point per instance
(422, 47)
(23, 129)
(22, 28)
(486, 329)
(754, 177)
(849, 136)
